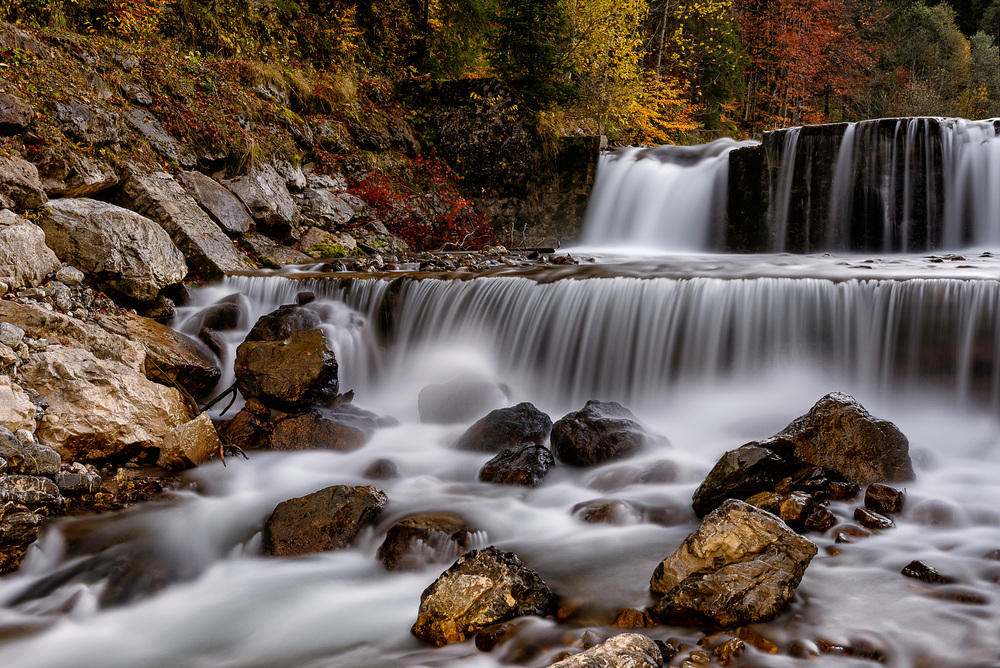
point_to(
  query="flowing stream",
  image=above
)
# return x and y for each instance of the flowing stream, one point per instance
(709, 350)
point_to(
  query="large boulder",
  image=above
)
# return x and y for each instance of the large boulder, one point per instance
(524, 466)
(100, 409)
(290, 374)
(601, 432)
(458, 400)
(35, 493)
(327, 210)
(483, 587)
(836, 446)
(170, 356)
(205, 246)
(282, 321)
(130, 253)
(413, 542)
(25, 260)
(20, 185)
(16, 115)
(67, 173)
(506, 428)
(228, 212)
(190, 444)
(741, 566)
(250, 428)
(265, 194)
(325, 520)
(625, 650)
(86, 124)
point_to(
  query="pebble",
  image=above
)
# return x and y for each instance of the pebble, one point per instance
(872, 520)
(921, 571)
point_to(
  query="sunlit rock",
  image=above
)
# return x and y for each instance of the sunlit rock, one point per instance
(625, 650)
(189, 444)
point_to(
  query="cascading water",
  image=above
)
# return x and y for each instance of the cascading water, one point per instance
(710, 351)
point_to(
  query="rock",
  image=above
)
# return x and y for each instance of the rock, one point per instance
(225, 314)
(205, 246)
(412, 543)
(35, 493)
(28, 458)
(312, 430)
(70, 276)
(604, 511)
(190, 444)
(325, 209)
(506, 428)
(16, 409)
(171, 357)
(281, 322)
(10, 335)
(601, 432)
(228, 212)
(921, 571)
(525, 466)
(162, 141)
(741, 566)
(66, 173)
(266, 196)
(129, 252)
(100, 409)
(872, 520)
(85, 124)
(16, 115)
(317, 243)
(625, 650)
(459, 400)
(884, 499)
(272, 254)
(839, 434)
(18, 531)
(72, 332)
(78, 484)
(288, 374)
(20, 185)
(740, 474)
(250, 428)
(326, 520)
(483, 587)
(382, 469)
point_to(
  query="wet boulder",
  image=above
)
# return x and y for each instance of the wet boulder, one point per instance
(325, 520)
(506, 428)
(413, 542)
(741, 474)
(288, 374)
(884, 499)
(18, 530)
(315, 430)
(525, 466)
(281, 322)
(601, 432)
(250, 428)
(35, 493)
(483, 587)
(625, 650)
(458, 400)
(741, 566)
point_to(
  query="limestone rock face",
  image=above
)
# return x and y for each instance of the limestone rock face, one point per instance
(326, 520)
(416, 541)
(72, 174)
(741, 566)
(601, 432)
(15, 114)
(274, 255)
(507, 428)
(265, 194)
(158, 137)
(129, 252)
(20, 185)
(86, 124)
(625, 650)
(205, 246)
(289, 374)
(100, 409)
(25, 260)
(228, 212)
(483, 587)
(326, 209)
(189, 444)
(16, 409)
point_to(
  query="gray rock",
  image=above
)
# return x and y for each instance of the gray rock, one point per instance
(525, 466)
(326, 209)
(85, 124)
(20, 185)
(16, 115)
(132, 254)
(158, 137)
(601, 432)
(266, 195)
(458, 400)
(272, 254)
(317, 243)
(228, 212)
(12, 38)
(76, 484)
(294, 178)
(70, 276)
(741, 566)
(67, 173)
(3, 464)
(135, 93)
(28, 458)
(625, 650)
(205, 246)
(506, 428)
(24, 256)
(326, 520)
(482, 588)
(10, 335)
(32, 492)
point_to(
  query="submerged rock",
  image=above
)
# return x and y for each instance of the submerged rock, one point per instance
(525, 466)
(506, 428)
(483, 587)
(458, 400)
(325, 520)
(290, 374)
(741, 566)
(601, 432)
(313, 430)
(413, 542)
(625, 650)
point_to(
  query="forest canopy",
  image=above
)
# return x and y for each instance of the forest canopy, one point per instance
(637, 70)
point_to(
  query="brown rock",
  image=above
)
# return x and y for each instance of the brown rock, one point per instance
(311, 431)
(250, 428)
(18, 531)
(190, 444)
(289, 374)
(525, 466)
(872, 520)
(492, 637)
(921, 571)
(626, 650)
(325, 520)
(506, 428)
(630, 618)
(416, 541)
(884, 499)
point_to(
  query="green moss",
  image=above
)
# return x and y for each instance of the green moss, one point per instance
(332, 250)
